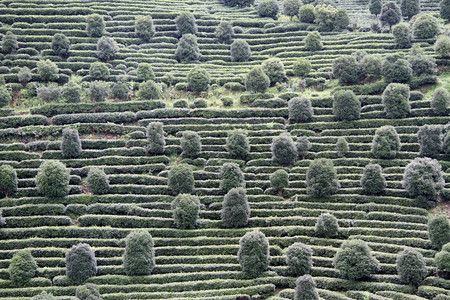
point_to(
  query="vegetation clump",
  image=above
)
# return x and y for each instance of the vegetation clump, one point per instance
(372, 180)
(237, 144)
(235, 208)
(181, 179)
(22, 268)
(81, 263)
(321, 178)
(283, 149)
(70, 143)
(327, 226)
(231, 177)
(253, 254)
(299, 259)
(97, 181)
(52, 179)
(185, 209)
(139, 256)
(8, 181)
(305, 288)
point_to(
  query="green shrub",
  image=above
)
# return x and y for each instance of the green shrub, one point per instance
(371, 66)
(235, 209)
(241, 3)
(342, 148)
(240, 51)
(283, 149)
(411, 267)
(190, 144)
(47, 70)
(9, 43)
(438, 231)
(144, 28)
(106, 48)
(302, 67)
(185, 209)
(300, 110)
(410, 8)
(224, 31)
(52, 179)
(22, 268)
(88, 291)
(442, 46)
(402, 36)
(422, 64)
(181, 179)
(375, 7)
(372, 180)
(329, 18)
(95, 25)
(227, 101)
(60, 44)
(8, 181)
(346, 106)
(43, 296)
(442, 258)
(291, 7)
(199, 103)
(354, 260)
(327, 226)
(425, 27)
(70, 143)
(257, 81)
(231, 177)
(198, 79)
(120, 90)
(279, 180)
(253, 254)
(155, 138)
(181, 103)
(99, 91)
(49, 93)
(446, 143)
(186, 23)
(440, 101)
(187, 49)
(274, 69)
(299, 259)
(305, 288)
(307, 14)
(313, 41)
(24, 75)
(268, 8)
(390, 14)
(444, 9)
(321, 178)
(237, 144)
(303, 146)
(145, 72)
(396, 69)
(139, 256)
(395, 100)
(5, 96)
(149, 90)
(81, 263)
(97, 181)
(386, 143)
(341, 19)
(430, 140)
(72, 92)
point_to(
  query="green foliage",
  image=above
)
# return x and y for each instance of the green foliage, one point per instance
(185, 209)
(342, 148)
(99, 70)
(240, 51)
(395, 100)
(341, 19)
(5, 96)
(145, 72)
(372, 180)
(97, 181)
(187, 49)
(44, 296)
(186, 23)
(291, 7)
(70, 143)
(49, 93)
(88, 291)
(106, 48)
(190, 144)
(24, 75)
(268, 8)
(396, 69)
(440, 102)
(439, 231)
(139, 256)
(279, 180)
(155, 138)
(9, 43)
(95, 25)
(411, 267)
(354, 260)
(283, 149)
(235, 208)
(302, 67)
(257, 81)
(2, 220)
(375, 7)
(72, 92)
(430, 140)
(421, 63)
(81, 263)
(442, 258)
(47, 70)
(307, 14)
(329, 18)
(237, 144)
(253, 254)
(390, 14)
(303, 146)
(8, 181)
(299, 259)
(60, 44)
(321, 178)
(410, 8)
(144, 28)
(120, 90)
(274, 69)
(442, 46)
(305, 288)
(231, 177)
(385, 143)
(241, 3)
(198, 79)
(300, 110)
(425, 27)
(99, 91)
(444, 9)
(371, 66)
(402, 35)
(313, 41)
(22, 268)
(52, 179)
(181, 179)
(224, 31)
(327, 226)
(149, 90)
(346, 106)
(446, 143)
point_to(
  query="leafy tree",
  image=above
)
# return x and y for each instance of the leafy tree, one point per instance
(442, 46)
(440, 102)
(186, 23)
(47, 70)
(396, 69)
(88, 291)
(372, 180)
(371, 66)
(386, 143)
(253, 254)
(346, 106)
(60, 44)
(144, 28)
(80, 263)
(410, 8)
(442, 259)
(283, 149)
(341, 19)
(185, 209)
(97, 181)
(299, 259)
(99, 91)
(325, 15)
(120, 90)
(390, 14)
(305, 288)
(237, 144)
(22, 268)
(139, 256)
(430, 140)
(444, 9)
(106, 48)
(313, 41)
(274, 69)
(190, 144)
(187, 49)
(235, 208)
(149, 90)
(72, 92)
(342, 148)
(224, 31)
(395, 100)
(95, 25)
(145, 72)
(241, 3)
(24, 75)
(300, 110)
(231, 177)
(327, 226)
(307, 14)
(99, 70)
(181, 179)
(9, 43)
(402, 36)
(70, 143)
(425, 27)
(257, 81)
(52, 179)
(291, 7)
(198, 79)
(5, 96)
(303, 146)
(321, 178)
(375, 7)
(421, 63)
(43, 296)
(302, 67)
(8, 181)
(155, 138)
(279, 180)
(268, 8)
(49, 93)
(240, 51)
(411, 267)
(438, 231)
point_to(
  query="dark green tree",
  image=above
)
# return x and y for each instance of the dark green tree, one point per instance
(186, 23)
(274, 69)
(81, 263)
(22, 268)
(268, 8)
(321, 178)
(372, 180)
(191, 144)
(60, 44)
(185, 209)
(257, 81)
(430, 140)
(70, 143)
(291, 7)
(327, 226)
(305, 288)
(346, 106)
(231, 177)
(395, 100)
(300, 110)
(411, 267)
(97, 181)
(52, 179)
(8, 181)
(145, 72)
(187, 49)
(240, 51)
(237, 144)
(181, 179)
(139, 256)
(253, 254)
(106, 48)
(9, 43)
(95, 25)
(144, 28)
(235, 208)
(283, 149)
(375, 7)
(313, 41)
(410, 8)
(155, 138)
(386, 143)
(224, 31)
(402, 35)
(198, 79)
(390, 14)
(299, 259)
(438, 231)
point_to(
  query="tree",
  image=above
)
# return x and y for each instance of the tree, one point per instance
(411, 267)
(49, 93)
(300, 110)
(395, 100)
(106, 48)
(95, 25)
(410, 8)
(390, 14)
(120, 90)
(186, 23)
(305, 288)
(70, 143)
(240, 51)
(313, 41)
(291, 7)
(253, 254)
(24, 75)
(224, 31)
(372, 180)
(440, 102)
(341, 19)
(81, 263)
(44, 296)
(185, 209)
(283, 149)
(274, 69)
(321, 178)
(421, 63)
(430, 140)
(149, 90)
(187, 49)
(375, 7)
(438, 231)
(72, 92)
(442, 46)
(99, 91)
(268, 8)
(181, 179)
(235, 208)
(257, 81)
(371, 66)
(8, 181)
(237, 144)
(60, 44)
(386, 143)
(22, 268)
(301, 67)
(442, 259)
(52, 179)
(155, 138)
(99, 70)
(97, 181)
(425, 27)
(354, 260)
(47, 70)
(198, 79)
(190, 144)
(88, 291)
(231, 177)
(342, 148)
(396, 69)
(402, 35)
(9, 43)
(139, 256)
(346, 106)
(145, 72)
(5, 96)
(279, 180)
(307, 14)
(329, 18)
(144, 28)
(303, 146)
(327, 226)
(299, 259)
(241, 3)
(444, 9)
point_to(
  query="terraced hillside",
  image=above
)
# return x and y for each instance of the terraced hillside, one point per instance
(202, 263)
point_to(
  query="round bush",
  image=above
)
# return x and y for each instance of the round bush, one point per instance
(186, 23)
(22, 268)
(390, 14)
(371, 66)
(410, 8)
(411, 267)
(354, 260)
(235, 209)
(303, 146)
(240, 51)
(231, 177)
(155, 138)
(97, 181)
(81, 263)
(274, 69)
(306, 14)
(60, 44)
(402, 36)
(237, 144)
(396, 69)
(99, 91)
(106, 48)
(240, 3)
(139, 256)
(88, 291)
(227, 101)
(327, 226)
(283, 149)
(43, 296)
(302, 67)
(300, 110)
(299, 259)
(268, 8)
(72, 92)
(120, 90)
(253, 254)
(224, 31)
(70, 143)
(95, 25)
(395, 100)
(144, 28)
(52, 179)
(425, 27)
(442, 258)
(342, 148)
(185, 209)
(198, 80)
(149, 90)
(440, 102)
(145, 72)
(321, 178)
(5, 96)
(430, 140)
(8, 181)
(386, 143)
(257, 81)
(9, 43)
(422, 64)
(279, 180)
(190, 144)
(187, 49)
(346, 106)
(313, 41)
(47, 70)
(372, 180)
(442, 46)
(439, 231)
(24, 75)
(181, 179)
(291, 7)
(305, 288)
